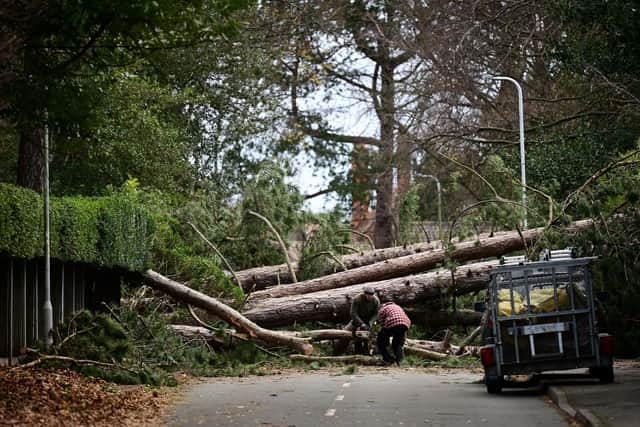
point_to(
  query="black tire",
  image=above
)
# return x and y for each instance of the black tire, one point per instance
(494, 385)
(603, 373)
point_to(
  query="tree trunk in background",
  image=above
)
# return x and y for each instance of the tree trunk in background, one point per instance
(360, 197)
(30, 171)
(333, 305)
(383, 236)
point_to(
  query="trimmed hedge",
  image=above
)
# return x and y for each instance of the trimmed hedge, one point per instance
(110, 231)
(21, 222)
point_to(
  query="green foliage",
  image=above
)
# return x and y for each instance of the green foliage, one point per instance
(321, 245)
(93, 337)
(136, 129)
(21, 221)
(617, 272)
(613, 197)
(408, 215)
(74, 225)
(112, 231)
(604, 34)
(178, 251)
(350, 370)
(268, 194)
(125, 233)
(561, 166)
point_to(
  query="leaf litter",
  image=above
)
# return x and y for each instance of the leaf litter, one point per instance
(63, 397)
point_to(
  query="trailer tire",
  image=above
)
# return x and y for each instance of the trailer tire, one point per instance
(494, 385)
(605, 374)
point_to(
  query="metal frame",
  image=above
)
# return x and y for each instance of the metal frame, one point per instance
(553, 273)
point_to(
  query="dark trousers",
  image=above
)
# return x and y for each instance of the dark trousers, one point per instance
(397, 335)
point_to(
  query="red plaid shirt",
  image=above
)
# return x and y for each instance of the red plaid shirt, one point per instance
(391, 315)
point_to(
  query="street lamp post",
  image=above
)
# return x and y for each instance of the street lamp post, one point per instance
(523, 175)
(439, 200)
(47, 308)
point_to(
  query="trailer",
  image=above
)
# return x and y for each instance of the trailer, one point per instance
(543, 316)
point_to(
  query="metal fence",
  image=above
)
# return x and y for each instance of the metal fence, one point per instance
(73, 287)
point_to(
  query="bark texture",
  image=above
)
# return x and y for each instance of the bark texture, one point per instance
(262, 277)
(234, 318)
(333, 305)
(30, 159)
(416, 263)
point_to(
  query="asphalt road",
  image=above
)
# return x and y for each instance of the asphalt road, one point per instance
(373, 398)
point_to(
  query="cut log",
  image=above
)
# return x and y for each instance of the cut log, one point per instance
(325, 334)
(442, 318)
(234, 318)
(423, 352)
(437, 346)
(412, 264)
(334, 305)
(198, 332)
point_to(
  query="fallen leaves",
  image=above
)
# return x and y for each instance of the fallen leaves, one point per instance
(62, 397)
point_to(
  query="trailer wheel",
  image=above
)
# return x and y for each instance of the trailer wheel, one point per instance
(603, 373)
(494, 384)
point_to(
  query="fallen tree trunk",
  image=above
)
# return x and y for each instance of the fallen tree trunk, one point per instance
(427, 354)
(433, 350)
(258, 278)
(211, 305)
(412, 264)
(198, 332)
(443, 318)
(361, 360)
(334, 305)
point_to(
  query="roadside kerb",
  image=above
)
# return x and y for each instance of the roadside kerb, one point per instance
(582, 415)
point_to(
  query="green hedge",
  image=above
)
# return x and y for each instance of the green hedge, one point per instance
(21, 222)
(110, 231)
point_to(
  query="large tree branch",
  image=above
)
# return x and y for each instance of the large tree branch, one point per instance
(351, 139)
(548, 125)
(401, 58)
(92, 41)
(318, 193)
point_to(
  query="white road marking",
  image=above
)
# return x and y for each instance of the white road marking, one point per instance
(330, 413)
(345, 385)
(340, 397)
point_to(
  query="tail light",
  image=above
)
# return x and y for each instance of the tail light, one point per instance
(606, 344)
(488, 356)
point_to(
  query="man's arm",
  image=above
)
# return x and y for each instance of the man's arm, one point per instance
(376, 314)
(357, 321)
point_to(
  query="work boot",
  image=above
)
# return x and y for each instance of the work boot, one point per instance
(389, 362)
(399, 353)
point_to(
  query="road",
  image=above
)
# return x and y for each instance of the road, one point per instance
(373, 398)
